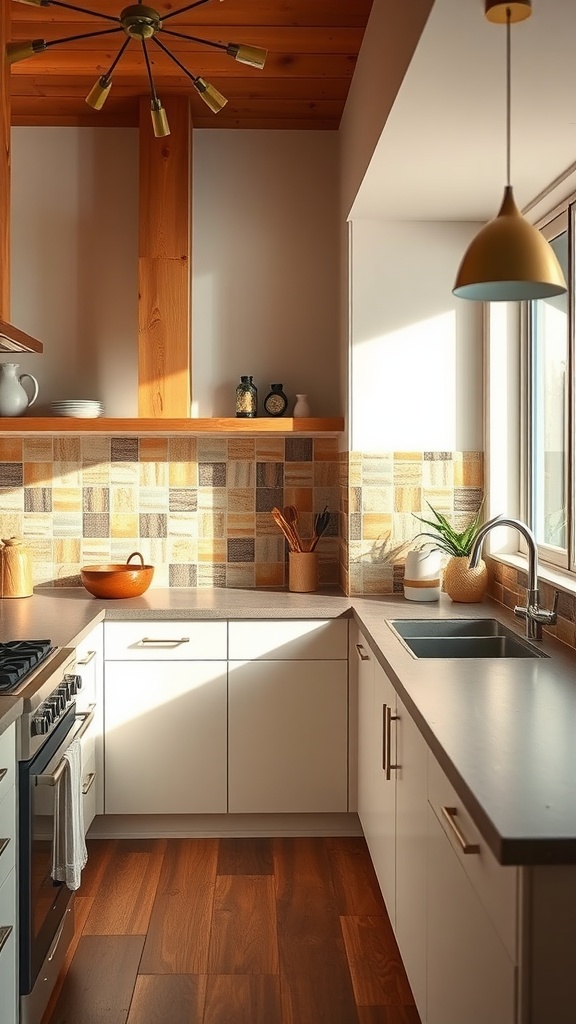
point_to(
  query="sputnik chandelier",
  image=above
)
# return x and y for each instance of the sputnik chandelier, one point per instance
(144, 24)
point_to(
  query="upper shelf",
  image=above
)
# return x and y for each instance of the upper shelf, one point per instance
(220, 425)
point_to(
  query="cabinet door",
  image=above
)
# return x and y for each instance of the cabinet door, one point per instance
(165, 738)
(411, 832)
(382, 844)
(288, 736)
(8, 962)
(470, 975)
(90, 666)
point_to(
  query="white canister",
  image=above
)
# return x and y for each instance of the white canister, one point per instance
(422, 575)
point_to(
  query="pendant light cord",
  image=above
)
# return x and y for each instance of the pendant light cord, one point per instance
(508, 93)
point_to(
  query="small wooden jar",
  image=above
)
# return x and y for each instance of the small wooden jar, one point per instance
(302, 571)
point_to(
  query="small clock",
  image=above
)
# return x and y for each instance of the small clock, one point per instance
(275, 402)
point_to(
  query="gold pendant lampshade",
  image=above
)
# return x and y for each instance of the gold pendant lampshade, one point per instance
(509, 260)
(144, 24)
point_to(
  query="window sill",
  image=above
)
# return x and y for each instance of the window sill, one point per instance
(559, 578)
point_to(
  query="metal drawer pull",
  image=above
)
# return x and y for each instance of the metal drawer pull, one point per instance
(5, 932)
(388, 718)
(3, 772)
(168, 640)
(52, 952)
(466, 847)
(361, 655)
(89, 656)
(3, 845)
(89, 783)
(86, 717)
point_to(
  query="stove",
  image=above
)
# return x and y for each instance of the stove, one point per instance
(18, 658)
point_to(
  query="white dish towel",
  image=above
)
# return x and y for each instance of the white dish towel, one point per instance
(69, 853)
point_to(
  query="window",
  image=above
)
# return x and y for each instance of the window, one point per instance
(549, 412)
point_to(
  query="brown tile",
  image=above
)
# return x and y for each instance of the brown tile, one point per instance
(95, 524)
(240, 549)
(10, 449)
(240, 524)
(37, 449)
(298, 449)
(325, 449)
(241, 499)
(212, 474)
(270, 574)
(153, 449)
(11, 474)
(269, 449)
(242, 473)
(124, 449)
(269, 474)
(242, 448)
(37, 499)
(301, 497)
(36, 474)
(152, 524)
(241, 575)
(299, 474)
(325, 474)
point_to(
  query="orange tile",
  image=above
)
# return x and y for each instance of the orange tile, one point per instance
(10, 449)
(241, 524)
(153, 449)
(242, 448)
(301, 497)
(211, 549)
(326, 449)
(38, 474)
(269, 449)
(270, 574)
(472, 470)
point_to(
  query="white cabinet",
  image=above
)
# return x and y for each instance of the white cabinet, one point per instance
(376, 779)
(165, 717)
(288, 716)
(471, 977)
(8, 918)
(90, 666)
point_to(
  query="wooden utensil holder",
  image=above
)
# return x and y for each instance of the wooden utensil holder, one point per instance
(302, 571)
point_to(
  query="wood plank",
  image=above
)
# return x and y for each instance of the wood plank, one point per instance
(315, 981)
(353, 877)
(100, 852)
(5, 115)
(208, 64)
(245, 857)
(244, 999)
(130, 85)
(242, 12)
(243, 934)
(164, 273)
(123, 903)
(378, 975)
(145, 425)
(168, 999)
(179, 929)
(99, 985)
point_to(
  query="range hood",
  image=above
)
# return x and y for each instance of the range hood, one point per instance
(14, 340)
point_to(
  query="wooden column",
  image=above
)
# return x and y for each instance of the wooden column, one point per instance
(4, 166)
(164, 266)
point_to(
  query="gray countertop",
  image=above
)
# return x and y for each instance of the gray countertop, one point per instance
(503, 730)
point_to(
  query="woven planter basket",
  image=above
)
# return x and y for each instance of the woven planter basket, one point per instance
(462, 583)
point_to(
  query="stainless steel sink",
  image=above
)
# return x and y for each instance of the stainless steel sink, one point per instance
(462, 638)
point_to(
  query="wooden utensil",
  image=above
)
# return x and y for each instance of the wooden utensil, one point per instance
(287, 529)
(321, 523)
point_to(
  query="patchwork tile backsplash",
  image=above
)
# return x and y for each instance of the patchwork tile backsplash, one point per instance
(199, 509)
(379, 494)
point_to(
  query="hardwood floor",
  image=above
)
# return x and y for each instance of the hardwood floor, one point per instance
(231, 931)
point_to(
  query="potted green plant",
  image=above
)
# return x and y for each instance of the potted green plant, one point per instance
(460, 582)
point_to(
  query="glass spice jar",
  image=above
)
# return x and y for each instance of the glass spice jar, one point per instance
(246, 398)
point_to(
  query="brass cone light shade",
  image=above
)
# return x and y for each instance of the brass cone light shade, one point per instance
(509, 260)
(144, 24)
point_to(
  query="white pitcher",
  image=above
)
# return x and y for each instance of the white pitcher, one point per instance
(14, 399)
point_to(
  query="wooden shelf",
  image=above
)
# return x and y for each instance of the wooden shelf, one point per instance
(223, 425)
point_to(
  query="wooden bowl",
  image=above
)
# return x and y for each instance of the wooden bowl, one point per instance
(117, 581)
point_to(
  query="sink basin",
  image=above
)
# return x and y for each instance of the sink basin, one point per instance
(462, 638)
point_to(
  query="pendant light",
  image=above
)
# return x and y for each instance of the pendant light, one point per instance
(144, 24)
(509, 260)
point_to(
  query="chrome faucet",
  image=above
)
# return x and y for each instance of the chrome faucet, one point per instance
(535, 615)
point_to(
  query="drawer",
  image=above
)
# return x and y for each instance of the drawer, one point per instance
(165, 641)
(288, 640)
(7, 759)
(89, 789)
(88, 662)
(8, 962)
(7, 831)
(496, 886)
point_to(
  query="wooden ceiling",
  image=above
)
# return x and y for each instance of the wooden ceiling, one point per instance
(313, 46)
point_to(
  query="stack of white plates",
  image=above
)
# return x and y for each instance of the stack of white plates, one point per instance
(77, 407)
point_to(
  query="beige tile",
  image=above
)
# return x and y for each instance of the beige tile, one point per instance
(241, 524)
(67, 499)
(95, 450)
(67, 449)
(123, 499)
(11, 499)
(375, 525)
(95, 551)
(67, 549)
(153, 474)
(355, 474)
(182, 524)
(241, 575)
(37, 524)
(10, 449)
(124, 525)
(182, 549)
(438, 474)
(241, 473)
(212, 499)
(376, 499)
(42, 573)
(269, 449)
(298, 474)
(95, 474)
(11, 524)
(407, 499)
(377, 471)
(211, 549)
(408, 456)
(124, 474)
(440, 498)
(37, 449)
(408, 474)
(241, 499)
(265, 525)
(66, 474)
(211, 524)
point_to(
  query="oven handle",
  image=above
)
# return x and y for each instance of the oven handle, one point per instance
(86, 717)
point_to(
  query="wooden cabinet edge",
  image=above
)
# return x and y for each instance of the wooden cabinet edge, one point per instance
(222, 425)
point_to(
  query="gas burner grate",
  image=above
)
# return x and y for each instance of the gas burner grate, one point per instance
(18, 658)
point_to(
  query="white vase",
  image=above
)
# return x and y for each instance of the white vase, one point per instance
(302, 407)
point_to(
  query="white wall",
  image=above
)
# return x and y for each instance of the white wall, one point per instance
(265, 266)
(74, 216)
(416, 361)
(264, 270)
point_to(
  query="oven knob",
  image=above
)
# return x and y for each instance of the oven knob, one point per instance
(64, 692)
(74, 682)
(39, 725)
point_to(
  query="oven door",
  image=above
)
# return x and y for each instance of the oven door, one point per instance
(43, 901)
